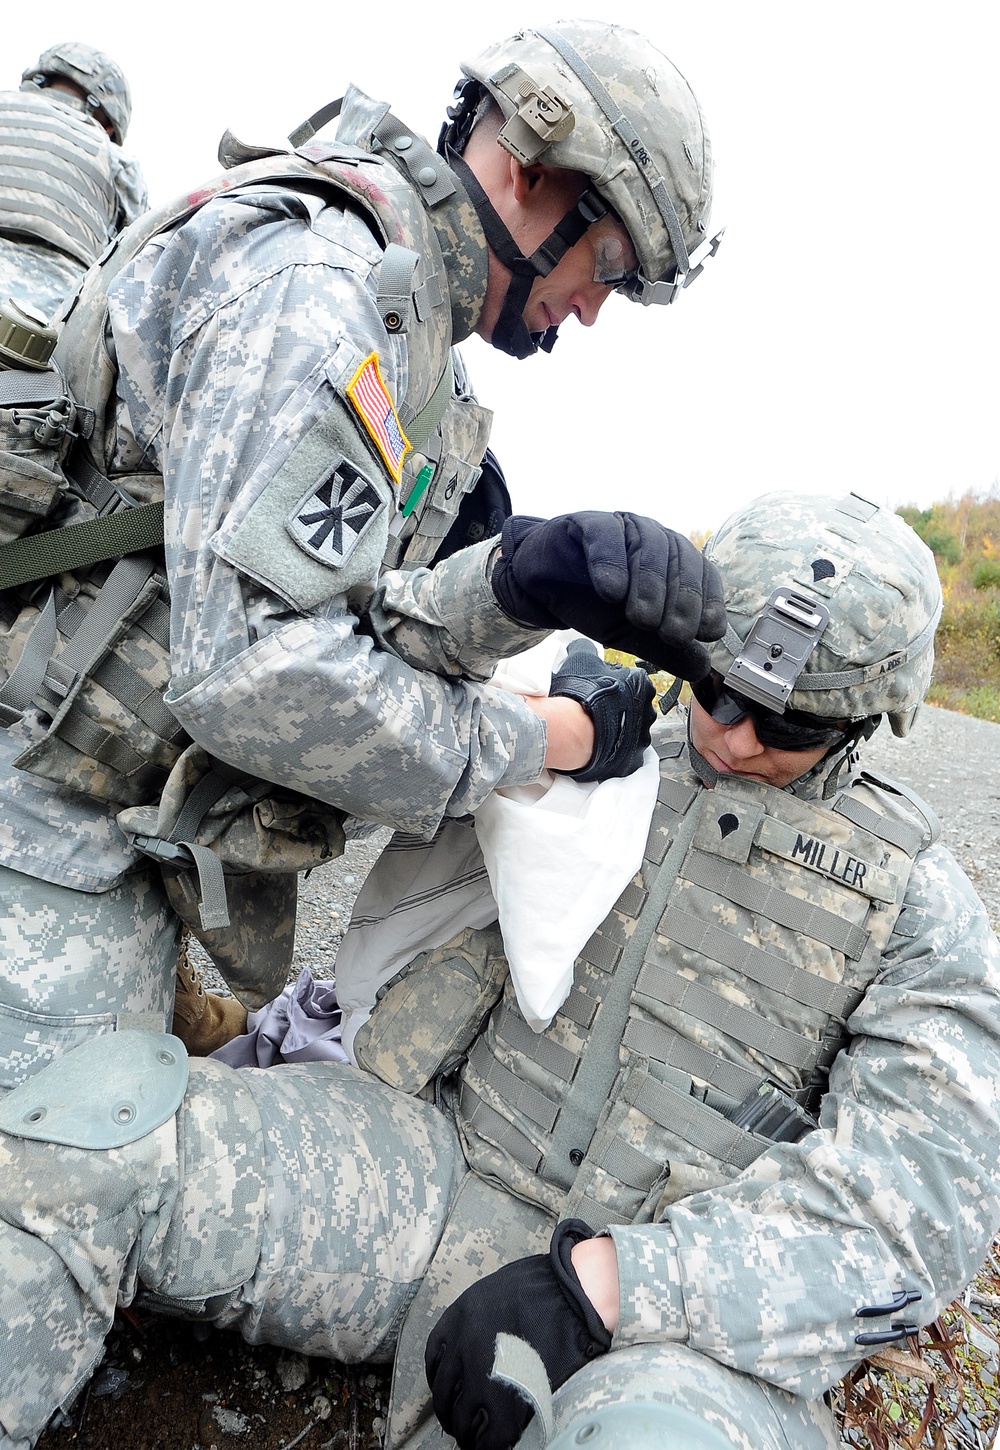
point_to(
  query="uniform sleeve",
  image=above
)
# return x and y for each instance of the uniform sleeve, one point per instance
(447, 619)
(130, 184)
(228, 335)
(897, 1193)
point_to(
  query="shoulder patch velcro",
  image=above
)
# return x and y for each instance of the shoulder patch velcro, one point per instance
(335, 514)
(370, 399)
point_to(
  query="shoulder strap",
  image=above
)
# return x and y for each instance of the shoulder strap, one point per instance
(38, 556)
(899, 829)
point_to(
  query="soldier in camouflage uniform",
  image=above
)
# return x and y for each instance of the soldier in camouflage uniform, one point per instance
(284, 377)
(66, 186)
(759, 1137)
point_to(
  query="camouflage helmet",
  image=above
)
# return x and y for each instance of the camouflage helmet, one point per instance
(832, 606)
(600, 99)
(99, 78)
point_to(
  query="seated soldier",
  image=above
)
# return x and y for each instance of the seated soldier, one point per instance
(758, 1139)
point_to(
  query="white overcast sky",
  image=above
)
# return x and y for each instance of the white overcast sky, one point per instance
(846, 335)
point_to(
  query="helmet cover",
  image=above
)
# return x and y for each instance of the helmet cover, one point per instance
(600, 99)
(870, 570)
(101, 80)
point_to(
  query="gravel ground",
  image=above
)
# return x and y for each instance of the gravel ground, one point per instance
(166, 1385)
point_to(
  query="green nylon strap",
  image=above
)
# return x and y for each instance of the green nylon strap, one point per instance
(39, 556)
(131, 530)
(420, 428)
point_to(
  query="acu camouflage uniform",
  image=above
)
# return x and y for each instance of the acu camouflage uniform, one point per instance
(739, 955)
(242, 318)
(65, 190)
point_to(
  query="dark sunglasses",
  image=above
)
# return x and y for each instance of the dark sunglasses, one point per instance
(793, 730)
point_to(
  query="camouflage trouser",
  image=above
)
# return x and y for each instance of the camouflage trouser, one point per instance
(72, 961)
(301, 1204)
(304, 1205)
(749, 1414)
(486, 1228)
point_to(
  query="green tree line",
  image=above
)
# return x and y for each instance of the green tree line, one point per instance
(964, 535)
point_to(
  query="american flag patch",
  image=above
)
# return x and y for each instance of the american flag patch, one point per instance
(374, 407)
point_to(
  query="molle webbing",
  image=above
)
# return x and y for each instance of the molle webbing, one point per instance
(775, 905)
(495, 1127)
(747, 1027)
(663, 1044)
(593, 1085)
(56, 181)
(765, 968)
(46, 680)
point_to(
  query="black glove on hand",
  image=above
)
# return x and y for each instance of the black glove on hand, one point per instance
(620, 703)
(620, 578)
(538, 1299)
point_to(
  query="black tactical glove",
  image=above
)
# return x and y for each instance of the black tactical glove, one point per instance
(620, 578)
(620, 703)
(538, 1299)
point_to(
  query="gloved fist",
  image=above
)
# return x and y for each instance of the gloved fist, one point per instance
(538, 1299)
(617, 577)
(620, 703)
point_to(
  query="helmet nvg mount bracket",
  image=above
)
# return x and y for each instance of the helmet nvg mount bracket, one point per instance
(599, 99)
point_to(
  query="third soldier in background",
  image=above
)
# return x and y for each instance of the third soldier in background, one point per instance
(66, 186)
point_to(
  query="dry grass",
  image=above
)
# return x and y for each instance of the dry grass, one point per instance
(939, 1390)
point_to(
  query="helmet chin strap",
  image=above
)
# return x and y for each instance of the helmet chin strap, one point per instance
(707, 774)
(841, 757)
(510, 332)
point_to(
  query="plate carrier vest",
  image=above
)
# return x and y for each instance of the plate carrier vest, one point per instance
(706, 1009)
(56, 178)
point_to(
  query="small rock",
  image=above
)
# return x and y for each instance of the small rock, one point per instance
(321, 1408)
(111, 1381)
(292, 1372)
(230, 1422)
(217, 1418)
(982, 1341)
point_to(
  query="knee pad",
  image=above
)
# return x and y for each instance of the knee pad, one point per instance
(662, 1394)
(639, 1425)
(106, 1093)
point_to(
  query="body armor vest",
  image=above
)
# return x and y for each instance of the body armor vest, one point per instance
(707, 1008)
(95, 649)
(56, 177)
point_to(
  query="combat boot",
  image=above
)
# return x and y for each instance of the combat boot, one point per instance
(202, 1020)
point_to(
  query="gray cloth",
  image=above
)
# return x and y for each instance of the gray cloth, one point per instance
(300, 1025)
